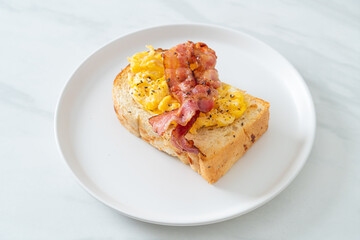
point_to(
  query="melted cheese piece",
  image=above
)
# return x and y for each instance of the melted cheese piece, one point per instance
(149, 88)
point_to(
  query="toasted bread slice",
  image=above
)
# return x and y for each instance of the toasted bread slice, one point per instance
(221, 146)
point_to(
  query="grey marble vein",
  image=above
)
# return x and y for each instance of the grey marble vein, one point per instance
(12, 97)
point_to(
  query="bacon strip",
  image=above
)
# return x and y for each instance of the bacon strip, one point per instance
(205, 73)
(192, 79)
(178, 136)
(181, 116)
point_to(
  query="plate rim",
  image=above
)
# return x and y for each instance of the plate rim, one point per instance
(305, 151)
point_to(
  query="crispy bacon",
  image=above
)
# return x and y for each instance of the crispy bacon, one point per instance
(205, 73)
(160, 123)
(192, 79)
(178, 136)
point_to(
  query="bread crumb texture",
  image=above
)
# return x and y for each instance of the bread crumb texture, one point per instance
(221, 146)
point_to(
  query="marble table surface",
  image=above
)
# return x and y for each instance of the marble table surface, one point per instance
(43, 42)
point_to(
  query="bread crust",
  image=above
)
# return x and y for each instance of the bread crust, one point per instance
(221, 147)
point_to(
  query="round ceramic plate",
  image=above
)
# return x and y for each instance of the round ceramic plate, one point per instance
(131, 176)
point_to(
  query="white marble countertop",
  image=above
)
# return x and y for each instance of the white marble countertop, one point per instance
(43, 42)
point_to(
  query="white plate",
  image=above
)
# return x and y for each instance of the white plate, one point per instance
(139, 181)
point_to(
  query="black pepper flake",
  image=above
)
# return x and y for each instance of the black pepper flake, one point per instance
(210, 115)
(153, 91)
(169, 105)
(129, 111)
(227, 110)
(252, 138)
(139, 94)
(242, 124)
(209, 166)
(233, 135)
(168, 80)
(208, 91)
(145, 87)
(231, 95)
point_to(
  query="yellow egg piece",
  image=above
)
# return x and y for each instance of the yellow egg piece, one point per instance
(147, 83)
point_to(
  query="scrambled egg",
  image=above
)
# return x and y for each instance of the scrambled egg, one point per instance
(149, 88)
(147, 82)
(229, 105)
